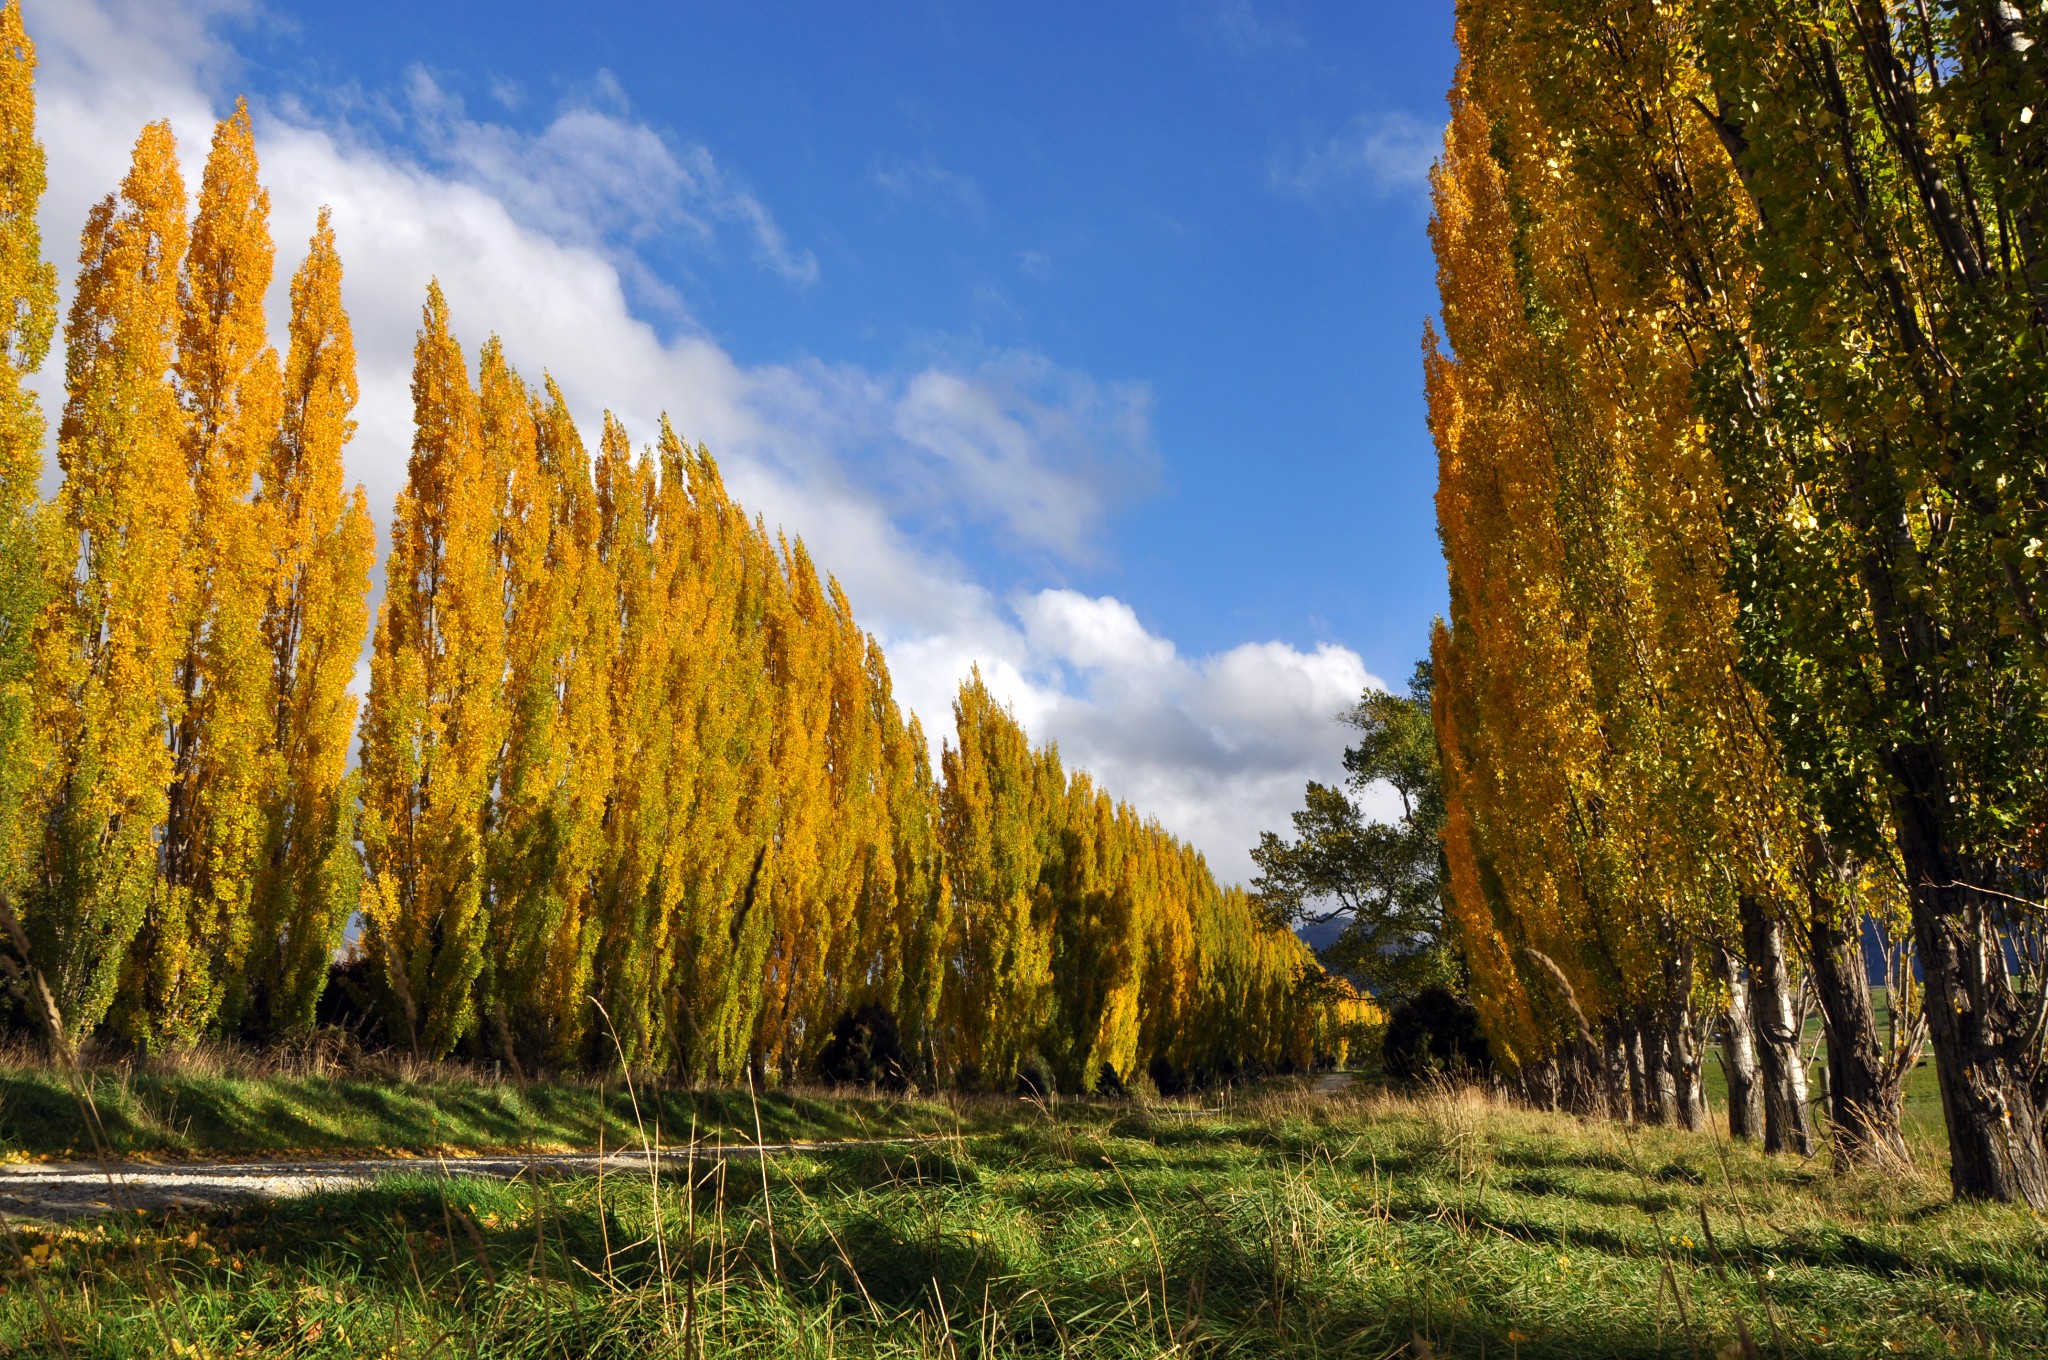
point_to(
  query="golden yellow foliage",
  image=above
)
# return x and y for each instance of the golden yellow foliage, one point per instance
(435, 721)
(634, 787)
(323, 547)
(108, 645)
(28, 315)
(189, 955)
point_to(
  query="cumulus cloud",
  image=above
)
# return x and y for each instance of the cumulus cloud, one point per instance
(525, 233)
(1387, 153)
(1214, 746)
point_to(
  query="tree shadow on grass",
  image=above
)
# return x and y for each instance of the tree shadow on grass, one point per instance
(1826, 1248)
(1224, 1281)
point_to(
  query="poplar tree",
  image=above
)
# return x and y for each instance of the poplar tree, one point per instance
(315, 616)
(859, 871)
(1514, 739)
(628, 973)
(1097, 936)
(622, 741)
(724, 682)
(1881, 425)
(556, 772)
(1647, 205)
(522, 909)
(107, 647)
(1826, 224)
(28, 309)
(922, 903)
(800, 648)
(189, 955)
(434, 726)
(995, 823)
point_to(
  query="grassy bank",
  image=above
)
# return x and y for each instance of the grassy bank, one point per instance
(1283, 1225)
(226, 1107)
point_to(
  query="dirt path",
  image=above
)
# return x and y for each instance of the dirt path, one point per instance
(53, 1191)
(64, 1190)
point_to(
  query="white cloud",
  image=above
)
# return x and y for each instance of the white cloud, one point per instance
(1387, 153)
(1044, 451)
(1217, 747)
(927, 180)
(509, 93)
(594, 174)
(525, 232)
(1101, 635)
(1243, 27)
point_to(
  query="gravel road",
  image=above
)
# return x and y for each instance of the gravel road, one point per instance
(54, 1191)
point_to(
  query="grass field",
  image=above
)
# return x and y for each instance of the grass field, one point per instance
(1281, 1224)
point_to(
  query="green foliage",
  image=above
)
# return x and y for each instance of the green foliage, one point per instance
(24, 590)
(1808, 244)
(1383, 881)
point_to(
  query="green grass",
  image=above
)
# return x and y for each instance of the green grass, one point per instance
(1284, 1225)
(216, 1113)
(1920, 1118)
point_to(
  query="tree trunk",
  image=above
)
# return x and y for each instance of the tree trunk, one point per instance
(1539, 1081)
(1639, 1086)
(1635, 1080)
(1580, 1089)
(1787, 1125)
(1657, 1050)
(1616, 1072)
(1641, 1090)
(1686, 1072)
(1738, 1053)
(1682, 1068)
(1681, 1038)
(1983, 1052)
(1660, 1089)
(1865, 1101)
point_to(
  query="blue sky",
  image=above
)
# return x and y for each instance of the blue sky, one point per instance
(1082, 341)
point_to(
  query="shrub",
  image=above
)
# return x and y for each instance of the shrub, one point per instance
(1435, 1033)
(1034, 1076)
(1168, 1079)
(865, 1050)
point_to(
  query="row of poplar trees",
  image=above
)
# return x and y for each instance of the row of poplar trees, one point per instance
(632, 784)
(1741, 403)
